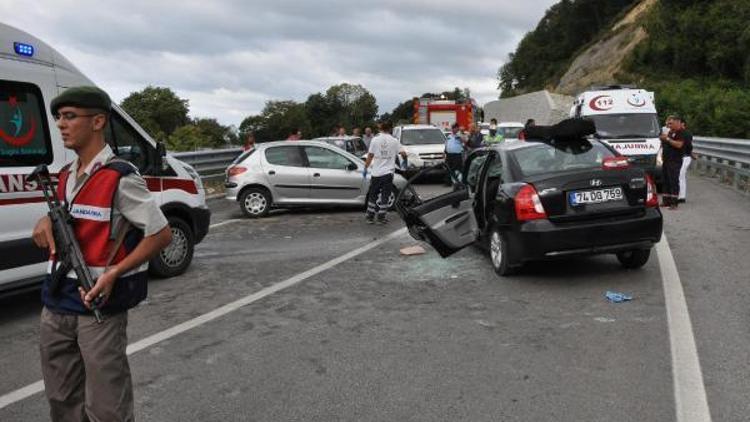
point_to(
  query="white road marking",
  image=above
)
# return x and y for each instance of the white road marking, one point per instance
(38, 387)
(225, 222)
(691, 404)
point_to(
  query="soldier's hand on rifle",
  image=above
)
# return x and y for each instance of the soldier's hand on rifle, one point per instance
(104, 285)
(42, 234)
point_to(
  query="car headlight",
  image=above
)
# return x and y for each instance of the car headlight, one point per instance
(413, 159)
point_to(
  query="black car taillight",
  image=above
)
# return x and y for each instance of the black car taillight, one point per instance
(652, 199)
(528, 204)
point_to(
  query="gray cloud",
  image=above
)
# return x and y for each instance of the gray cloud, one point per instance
(229, 57)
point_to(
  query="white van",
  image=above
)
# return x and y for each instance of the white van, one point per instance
(31, 74)
(424, 145)
(626, 119)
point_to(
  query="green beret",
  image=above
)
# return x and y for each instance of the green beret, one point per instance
(83, 97)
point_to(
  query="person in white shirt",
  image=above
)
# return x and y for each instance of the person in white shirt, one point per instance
(381, 156)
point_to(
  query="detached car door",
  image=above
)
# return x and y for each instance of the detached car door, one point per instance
(446, 222)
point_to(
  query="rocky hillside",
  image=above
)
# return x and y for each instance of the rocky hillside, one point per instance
(602, 61)
(694, 54)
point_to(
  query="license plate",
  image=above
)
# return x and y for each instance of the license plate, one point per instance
(595, 196)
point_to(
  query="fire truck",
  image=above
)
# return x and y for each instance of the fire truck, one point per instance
(444, 113)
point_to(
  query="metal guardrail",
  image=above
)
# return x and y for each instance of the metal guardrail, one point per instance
(725, 159)
(722, 158)
(210, 164)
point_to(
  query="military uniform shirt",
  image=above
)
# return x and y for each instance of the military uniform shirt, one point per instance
(133, 200)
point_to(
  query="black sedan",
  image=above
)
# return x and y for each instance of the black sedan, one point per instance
(557, 195)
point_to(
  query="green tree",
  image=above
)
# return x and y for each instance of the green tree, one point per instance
(187, 138)
(344, 104)
(284, 117)
(277, 121)
(256, 125)
(217, 135)
(354, 105)
(322, 114)
(158, 110)
(403, 113)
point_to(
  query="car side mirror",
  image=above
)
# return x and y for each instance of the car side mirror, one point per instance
(351, 167)
(161, 152)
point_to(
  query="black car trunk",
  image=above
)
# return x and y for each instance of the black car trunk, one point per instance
(578, 196)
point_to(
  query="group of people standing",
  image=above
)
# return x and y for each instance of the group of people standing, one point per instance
(459, 143)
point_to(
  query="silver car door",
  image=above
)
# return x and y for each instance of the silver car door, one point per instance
(334, 177)
(286, 173)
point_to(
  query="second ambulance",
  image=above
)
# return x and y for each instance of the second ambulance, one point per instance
(625, 119)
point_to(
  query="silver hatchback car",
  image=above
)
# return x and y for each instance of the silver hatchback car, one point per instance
(285, 174)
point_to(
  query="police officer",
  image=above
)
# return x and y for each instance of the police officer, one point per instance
(493, 137)
(119, 228)
(454, 149)
(382, 158)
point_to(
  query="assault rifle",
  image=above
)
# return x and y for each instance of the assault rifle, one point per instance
(67, 251)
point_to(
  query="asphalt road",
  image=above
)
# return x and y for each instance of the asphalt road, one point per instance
(386, 337)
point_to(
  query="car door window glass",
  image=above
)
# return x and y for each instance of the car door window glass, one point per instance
(495, 169)
(472, 176)
(24, 131)
(127, 143)
(323, 158)
(285, 156)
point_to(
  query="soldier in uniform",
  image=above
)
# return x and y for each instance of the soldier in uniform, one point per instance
(119, 228)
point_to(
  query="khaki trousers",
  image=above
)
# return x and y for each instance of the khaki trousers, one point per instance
(85, 368)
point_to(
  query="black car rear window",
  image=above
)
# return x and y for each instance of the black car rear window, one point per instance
(545, 158)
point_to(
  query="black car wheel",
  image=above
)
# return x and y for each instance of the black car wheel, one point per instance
(175, 258)
(499, 253)
(255, 202)
(634, 259)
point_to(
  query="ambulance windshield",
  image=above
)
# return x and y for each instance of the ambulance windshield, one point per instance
(24, 134)
(624, 126)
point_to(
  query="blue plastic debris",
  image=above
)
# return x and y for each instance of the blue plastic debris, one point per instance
(616, 297)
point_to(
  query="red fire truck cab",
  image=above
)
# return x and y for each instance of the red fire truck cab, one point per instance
(444, 113)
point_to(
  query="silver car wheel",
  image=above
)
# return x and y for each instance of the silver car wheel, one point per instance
(174, 254)
(255, 203)
(496, 249)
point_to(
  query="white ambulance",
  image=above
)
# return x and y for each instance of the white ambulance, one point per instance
(626, 119)
(31, 74)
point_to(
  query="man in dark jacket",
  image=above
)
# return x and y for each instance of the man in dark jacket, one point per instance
(672, 153)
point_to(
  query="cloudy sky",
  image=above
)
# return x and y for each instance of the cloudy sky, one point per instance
(228, 57)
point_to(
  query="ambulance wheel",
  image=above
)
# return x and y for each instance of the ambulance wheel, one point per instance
(634, 259)
(175, 258)
(255, 202)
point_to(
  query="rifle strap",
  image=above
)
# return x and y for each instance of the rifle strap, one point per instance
(58, 273)
(122, 229)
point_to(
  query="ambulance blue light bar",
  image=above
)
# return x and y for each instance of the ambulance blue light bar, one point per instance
(23, 49)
